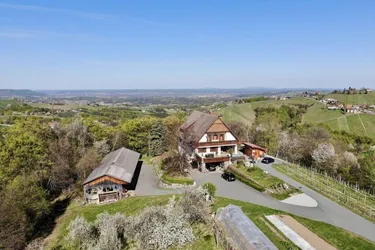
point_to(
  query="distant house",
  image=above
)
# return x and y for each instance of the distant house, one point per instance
(206, 139)
(369, 90)
(353, 109)
(254, 151)
(109, 181)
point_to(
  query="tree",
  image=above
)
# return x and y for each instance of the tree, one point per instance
(157, 136)
(87, 163)
(137, 132)
(171, 125)
(324, 156)
(241, 130)
(175, 164)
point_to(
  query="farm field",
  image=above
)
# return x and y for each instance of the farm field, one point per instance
(360, 124)
(354, 99)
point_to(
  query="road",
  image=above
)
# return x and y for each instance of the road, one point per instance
(326, 211)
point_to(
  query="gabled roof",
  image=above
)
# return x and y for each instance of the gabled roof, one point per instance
(196, 125)
(251, 145)
(119, 164)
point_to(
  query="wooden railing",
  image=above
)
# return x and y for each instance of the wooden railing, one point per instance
(215, 143)
(216, 159)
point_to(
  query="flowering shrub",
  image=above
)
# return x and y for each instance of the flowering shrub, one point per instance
(195, 206)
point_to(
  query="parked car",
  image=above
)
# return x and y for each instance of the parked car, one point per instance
(211, 168)
(268, 160)
(228, 176)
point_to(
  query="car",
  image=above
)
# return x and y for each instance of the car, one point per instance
(228, 176)
(211, 168)
(268, 160)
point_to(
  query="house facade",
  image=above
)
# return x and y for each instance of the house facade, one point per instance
(206, 139)
(109, 181)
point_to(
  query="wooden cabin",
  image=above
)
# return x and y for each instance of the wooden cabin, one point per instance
(108, 182)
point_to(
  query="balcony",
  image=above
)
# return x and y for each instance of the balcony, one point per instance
(213, 157)
(215, 143)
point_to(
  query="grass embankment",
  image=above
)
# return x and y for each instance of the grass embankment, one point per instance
(357, 201)
(183, 180)
(337, 237)
(129, 206)
(266, 183)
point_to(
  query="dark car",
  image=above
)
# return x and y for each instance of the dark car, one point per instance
(268, 160)
(228, 176)
(211, 168)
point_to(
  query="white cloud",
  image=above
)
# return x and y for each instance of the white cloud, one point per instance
(82, 14)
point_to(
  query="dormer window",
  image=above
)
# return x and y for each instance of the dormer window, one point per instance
(215, 137)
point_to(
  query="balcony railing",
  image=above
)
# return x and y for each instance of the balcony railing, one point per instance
(215, 143)
(211, 158)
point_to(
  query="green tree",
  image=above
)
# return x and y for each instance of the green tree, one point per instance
(157, 136)
(138, 132)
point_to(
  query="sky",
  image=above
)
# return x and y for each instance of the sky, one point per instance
(187, 44)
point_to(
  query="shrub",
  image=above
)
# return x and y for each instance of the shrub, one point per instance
(195, 206)
(111, 231)
(162, 227)
(211, 188)
(81, 234)
(239, 176)
(37, 244)
(175, 164)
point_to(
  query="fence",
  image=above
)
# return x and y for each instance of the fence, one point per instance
(358, 200)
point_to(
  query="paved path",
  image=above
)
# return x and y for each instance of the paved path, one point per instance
(326, 211)
(336, 214)
(301, 200)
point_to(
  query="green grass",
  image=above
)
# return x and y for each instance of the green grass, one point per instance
(184, 180)
(267, 181)
(354, 99)
(337, 237)
(4, 103)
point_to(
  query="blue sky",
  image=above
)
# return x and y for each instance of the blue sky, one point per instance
(186, 44)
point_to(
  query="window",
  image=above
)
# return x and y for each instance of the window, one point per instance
(215, 137)
(201, 150)
(214, 149)
(221, 137)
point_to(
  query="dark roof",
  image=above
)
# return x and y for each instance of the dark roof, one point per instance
(254, 146)
(119, 164)
(196, 125)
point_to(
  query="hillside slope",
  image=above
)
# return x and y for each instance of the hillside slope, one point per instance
(354, 99)
(317, 113)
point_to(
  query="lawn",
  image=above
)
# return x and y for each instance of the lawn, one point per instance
(268, 182)
(184, 180)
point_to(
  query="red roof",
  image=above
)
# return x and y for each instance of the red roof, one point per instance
(254, 146)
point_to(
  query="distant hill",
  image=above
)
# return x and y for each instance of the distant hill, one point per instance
(354, 99)
(20, 93)
(317, 113)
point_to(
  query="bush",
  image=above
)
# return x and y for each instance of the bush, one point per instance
(81, 234)
(161, 227)
(211, 188)
(183, 180)
(239, 176)
(195, 206)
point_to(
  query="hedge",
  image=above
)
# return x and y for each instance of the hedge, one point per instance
(177, 180)
(239, 176)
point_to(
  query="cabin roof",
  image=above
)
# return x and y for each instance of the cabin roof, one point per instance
(119, 164)
(254, 146)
